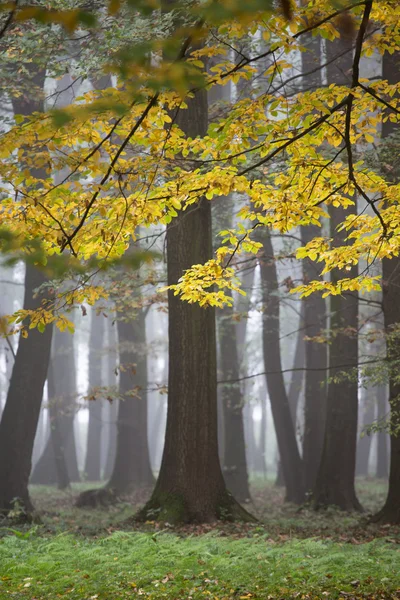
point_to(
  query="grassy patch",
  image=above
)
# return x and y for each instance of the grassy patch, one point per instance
(129, 564)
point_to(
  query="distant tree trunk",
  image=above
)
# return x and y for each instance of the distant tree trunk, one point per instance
(56, 434)
(285, 432)
(382, 454)
(61, 400)
(22, 409)
(131, 468)
(364, 441)
(390, 513)
(190, 486)
(231, 399)
(335, 478)
(95, 425)
(296, 382)
(112, 409)
(132, 461)
(234, 464)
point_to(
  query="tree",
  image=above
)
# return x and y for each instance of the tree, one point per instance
(24, 397)
(62, 392)
(292, 467)
(391, 311)
(29, 372)
(131, 468)
(335, 479)
(190, 485)
(95, 425)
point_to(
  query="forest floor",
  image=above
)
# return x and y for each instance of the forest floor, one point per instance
(290, 553)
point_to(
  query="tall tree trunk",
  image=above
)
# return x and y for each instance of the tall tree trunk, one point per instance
(95, 425)
(190, 486)
(336, 474)
(56, 434)
(315, 319)
(391, 311)
(132, 461)
(131, 468)
(22, 409)
(285, 432)
(296, 382)
(62, 399)
(382, 454)
(112, 409)
(364, 441)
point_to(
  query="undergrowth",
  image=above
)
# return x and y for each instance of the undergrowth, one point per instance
(131, 564)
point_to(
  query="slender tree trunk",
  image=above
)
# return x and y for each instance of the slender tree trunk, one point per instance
(296, 382)
(56, 433)
(391, 310)
(112, 409)
(95, 425)
(22, 409)
(132, 462)
(336, 474)
(315, 323)
(285, 432)
(382, 458)
(131, 468)
(62, 398)
(364, 441)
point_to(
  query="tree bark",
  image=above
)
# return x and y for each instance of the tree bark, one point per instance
(131, 468)
(62, 398)
(382, 458)
(390, 513)
(190, 486)
(285, 432)
(336, 473)
(364, 440)
(296, 382)
(112, 410)
(95, 425)
(22, 409)
(315, 318)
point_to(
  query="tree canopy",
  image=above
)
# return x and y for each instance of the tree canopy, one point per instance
(288, 153)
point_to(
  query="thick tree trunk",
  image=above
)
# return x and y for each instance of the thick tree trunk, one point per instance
(190, 486)
(336, 474)
(22, 409)
(62, 398)
(391, 311)
(95, 425)
(285, 432)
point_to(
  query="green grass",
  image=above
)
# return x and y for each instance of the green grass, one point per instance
(290, 553)
(132, 564)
